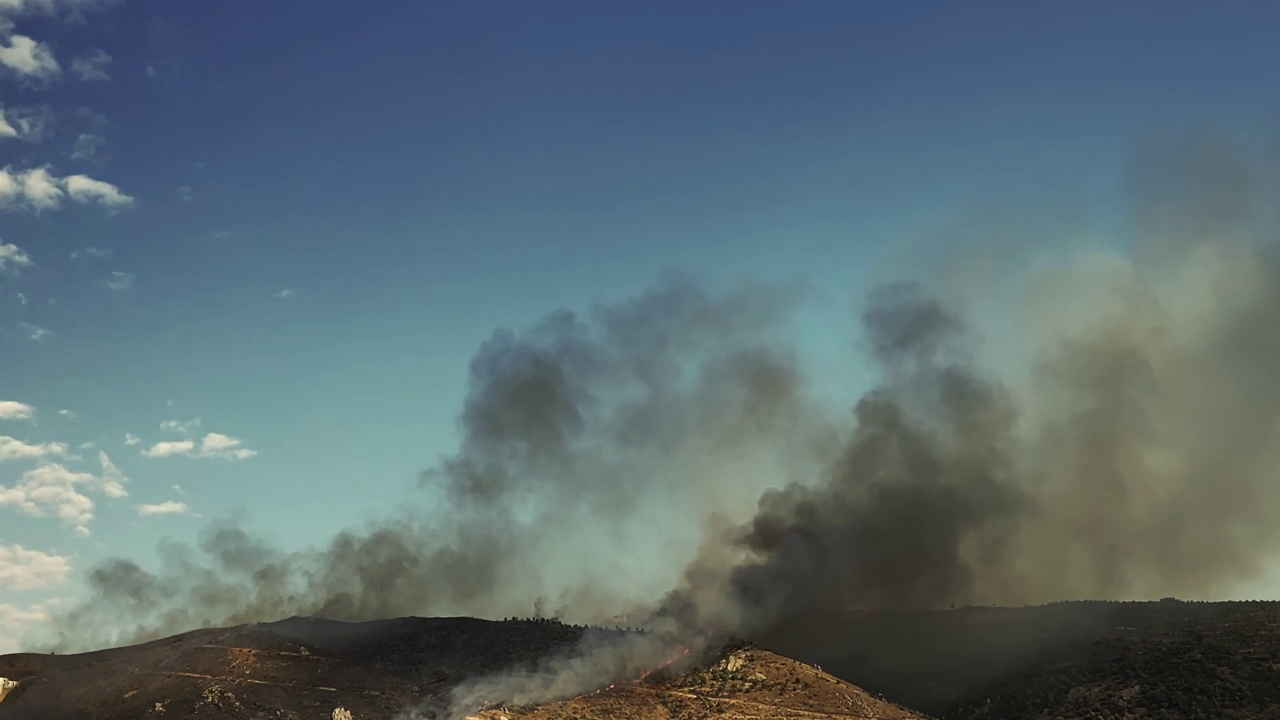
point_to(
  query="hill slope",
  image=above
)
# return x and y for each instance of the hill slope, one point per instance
(301, 668)
(1165, 659)
(747, 683)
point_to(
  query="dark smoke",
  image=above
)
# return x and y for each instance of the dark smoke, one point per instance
(593, 450)
(1117, 440)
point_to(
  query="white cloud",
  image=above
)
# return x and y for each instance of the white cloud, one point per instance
(34, 333)
(120, 280)
(212, 445)
(87, 445)
(83, 188)
(14, 410)
(91, 67)
(34, 187)
(169, 448)
(22, 298)
(28, 58)
(38, 189)
(169, 507)
(186, 427)
(68, 414)
(131, 439)
(224, 446)
(15, 449)
(28, 122)
(53, 489)
(22, 569)
(12, 256)
(286, 294)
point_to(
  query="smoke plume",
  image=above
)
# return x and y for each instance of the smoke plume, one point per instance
(1113, 435)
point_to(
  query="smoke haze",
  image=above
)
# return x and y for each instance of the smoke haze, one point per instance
(672, 455)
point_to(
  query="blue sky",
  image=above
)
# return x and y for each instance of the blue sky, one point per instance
(297, 223)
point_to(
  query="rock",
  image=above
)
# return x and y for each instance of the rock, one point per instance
(6, 686)
(341, 714)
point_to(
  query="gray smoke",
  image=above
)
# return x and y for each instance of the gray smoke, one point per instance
(593, 449)
(1116, 436)
(1135, 456)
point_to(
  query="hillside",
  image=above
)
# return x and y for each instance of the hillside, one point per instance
(1073, 661)
(746, 683)
(1165, 659)
(302, 668)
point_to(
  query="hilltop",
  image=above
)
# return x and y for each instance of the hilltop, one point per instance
(745, 683)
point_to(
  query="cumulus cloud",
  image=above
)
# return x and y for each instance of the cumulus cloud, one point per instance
(24, 569)
(14, 449)
(34, 333)
(14, 410)
(212, 445)
(68, 414)
(53, 490)
(186, 427)
(34, 189)
(169, 448)
(91, 67)
(38, 189)
(224, 446)
(13, 257)
(131, 439)
(85, 189)
(30, 123)
(169, 507)
(120, 280)
(28, 58)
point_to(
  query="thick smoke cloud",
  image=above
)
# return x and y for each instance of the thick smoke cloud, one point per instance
(593, 450)
(1134, 458)
(670, 454)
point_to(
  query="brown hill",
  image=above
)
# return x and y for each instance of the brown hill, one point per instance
(747, 683)
(1070, 660)
(301, 668)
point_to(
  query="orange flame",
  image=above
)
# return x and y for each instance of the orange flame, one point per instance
(671, 659)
